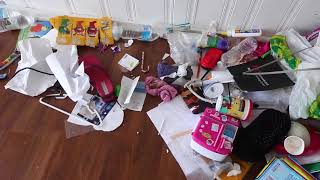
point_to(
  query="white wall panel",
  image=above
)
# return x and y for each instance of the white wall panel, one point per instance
(208, 10)
(51, 5)
(22, 3)
(180, 9)
(149, 15)
(271, 15)
(239, 14)
(308, 17)
(94, 8)
(118, 9)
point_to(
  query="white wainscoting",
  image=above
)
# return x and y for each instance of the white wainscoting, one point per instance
(270, 15)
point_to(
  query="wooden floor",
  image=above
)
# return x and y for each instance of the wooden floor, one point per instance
(33, 143)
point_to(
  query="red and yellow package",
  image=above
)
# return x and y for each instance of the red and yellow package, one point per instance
(63, 24)
(92, 30)
(78, 31)
(105, 24)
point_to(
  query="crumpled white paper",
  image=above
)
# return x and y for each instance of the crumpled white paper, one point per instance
(33, 54)
(71, 76)
(52, 36)
(305, 91)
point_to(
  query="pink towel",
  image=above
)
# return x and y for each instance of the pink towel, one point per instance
(157, 87)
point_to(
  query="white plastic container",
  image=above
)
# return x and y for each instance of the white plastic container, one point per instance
(242, 33)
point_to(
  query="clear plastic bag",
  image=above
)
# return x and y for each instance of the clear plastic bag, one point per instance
(183, 47)
(12, 20)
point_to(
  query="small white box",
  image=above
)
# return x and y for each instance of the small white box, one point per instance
(128, 62)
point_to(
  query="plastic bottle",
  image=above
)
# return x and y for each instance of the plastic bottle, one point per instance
(116, 31)
(242, 33)
(234, 55)
(15, 22)
(138, 31)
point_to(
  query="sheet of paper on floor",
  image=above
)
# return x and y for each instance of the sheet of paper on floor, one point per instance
(175, 123)
(128, 98)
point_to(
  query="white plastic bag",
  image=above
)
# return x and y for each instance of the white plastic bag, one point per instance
(305, 91)
(301, 47)
(33, 55)
(71, 76)
(183, 47)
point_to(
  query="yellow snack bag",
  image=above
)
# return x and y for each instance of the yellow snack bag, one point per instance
(92, 29)
(106, 31)
(63, 24)
(78, 31)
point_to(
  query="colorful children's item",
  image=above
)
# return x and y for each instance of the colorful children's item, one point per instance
(314, 110)
(235, 107)
(64, 25)
(280, 49)
(92, 38)
(40, 28)
(284, 168)
(83, 31)
(78, 32)
(215, 42)
(214, 134)
(5, 63)
(106, 31)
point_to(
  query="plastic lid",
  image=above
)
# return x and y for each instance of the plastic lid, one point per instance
(213, 90)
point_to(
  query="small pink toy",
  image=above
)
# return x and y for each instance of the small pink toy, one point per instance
(214, 135)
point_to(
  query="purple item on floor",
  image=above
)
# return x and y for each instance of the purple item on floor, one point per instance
(166, 69)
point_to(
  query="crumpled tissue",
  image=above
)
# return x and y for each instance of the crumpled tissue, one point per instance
(71, 75)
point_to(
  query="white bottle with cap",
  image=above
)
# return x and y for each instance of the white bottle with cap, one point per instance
(242, 33)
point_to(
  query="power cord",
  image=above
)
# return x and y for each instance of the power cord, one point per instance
(49, 74)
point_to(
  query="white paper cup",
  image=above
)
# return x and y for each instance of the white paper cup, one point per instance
(294, 145)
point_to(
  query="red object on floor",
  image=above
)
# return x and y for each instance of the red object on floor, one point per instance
(211, 58)
(312, 148)
(99, 78)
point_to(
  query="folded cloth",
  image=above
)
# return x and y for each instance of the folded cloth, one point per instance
(157, 87)
(167, 93)
(280, 49)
